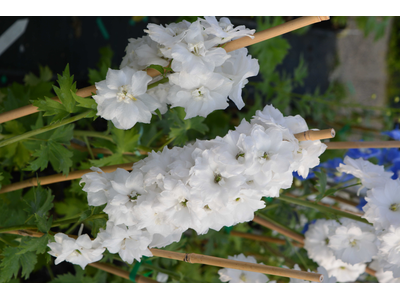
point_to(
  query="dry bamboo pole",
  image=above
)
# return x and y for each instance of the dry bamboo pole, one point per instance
(121, 273)
(294, 236)
(370, 271)
(273, 32)
(58, 178)
(194, 258)
(313, 135)
(230, 46)
(262, 238)
(359, 145)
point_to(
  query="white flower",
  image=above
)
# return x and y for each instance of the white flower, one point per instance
(389, 250)
(353, 245)
(238, 68)
(342, 271)
(122, 98)
(383, 207)
(239, 276)
(81, 251)
(223, 30)
(193, 54)
(142, 52)
(371, 175)
(317, 237)
(199, 94)
(129, 242)
(161, 277)
(98, 186)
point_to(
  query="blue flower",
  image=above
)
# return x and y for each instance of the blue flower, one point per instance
(306, 226)
(365, 153)
(331, 170)
(388, 156)
(394, 134)
(361, 203)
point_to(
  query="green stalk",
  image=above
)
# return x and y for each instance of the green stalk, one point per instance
(164, 80)
(43, 129)
(93, 134)
(322, 208)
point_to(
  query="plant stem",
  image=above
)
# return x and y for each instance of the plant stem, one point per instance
(322, 208)
(166, 143)
(43, 129)
(164, 80)
(93, 134)
(88, 147)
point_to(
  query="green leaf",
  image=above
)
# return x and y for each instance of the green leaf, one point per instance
(43, 223)
(67, 87)
(9, 265)
(37, 245)
(321, 186)
(85, 102)
(28, 261)
(42, 201)
(51, 107)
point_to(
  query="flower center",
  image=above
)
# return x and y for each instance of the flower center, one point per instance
(184, 202)
(198, 94)
(123, 95)
(237, 199)
(394, 207)
(196, 49)
(326, 241)
(133, 198)
(243, 278)
(217, 178)
(206, 207)
(240, 154)
(343, 268)
(353, 243)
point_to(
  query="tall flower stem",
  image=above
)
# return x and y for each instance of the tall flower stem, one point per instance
(322, 208)
(43, 129)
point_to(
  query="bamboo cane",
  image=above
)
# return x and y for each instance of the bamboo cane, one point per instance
(194, 258)
(208, 260)
(230, 46)
(272, 32)
(294, 236)
(58, 178)
(370, 271)
(360, 145)
(313, 135)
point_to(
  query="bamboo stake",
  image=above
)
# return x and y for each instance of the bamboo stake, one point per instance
(58, 178)
(370, 271)
(230, 46)
(313, 135)
(261, 238)
(359, 145)
(121, 273)
(273, 32)
(266, 223)
(194, 258)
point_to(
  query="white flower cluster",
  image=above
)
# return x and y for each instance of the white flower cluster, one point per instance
(240, 276)
(350, 245)
(203, 75)
(320, 270)
(206, 185)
